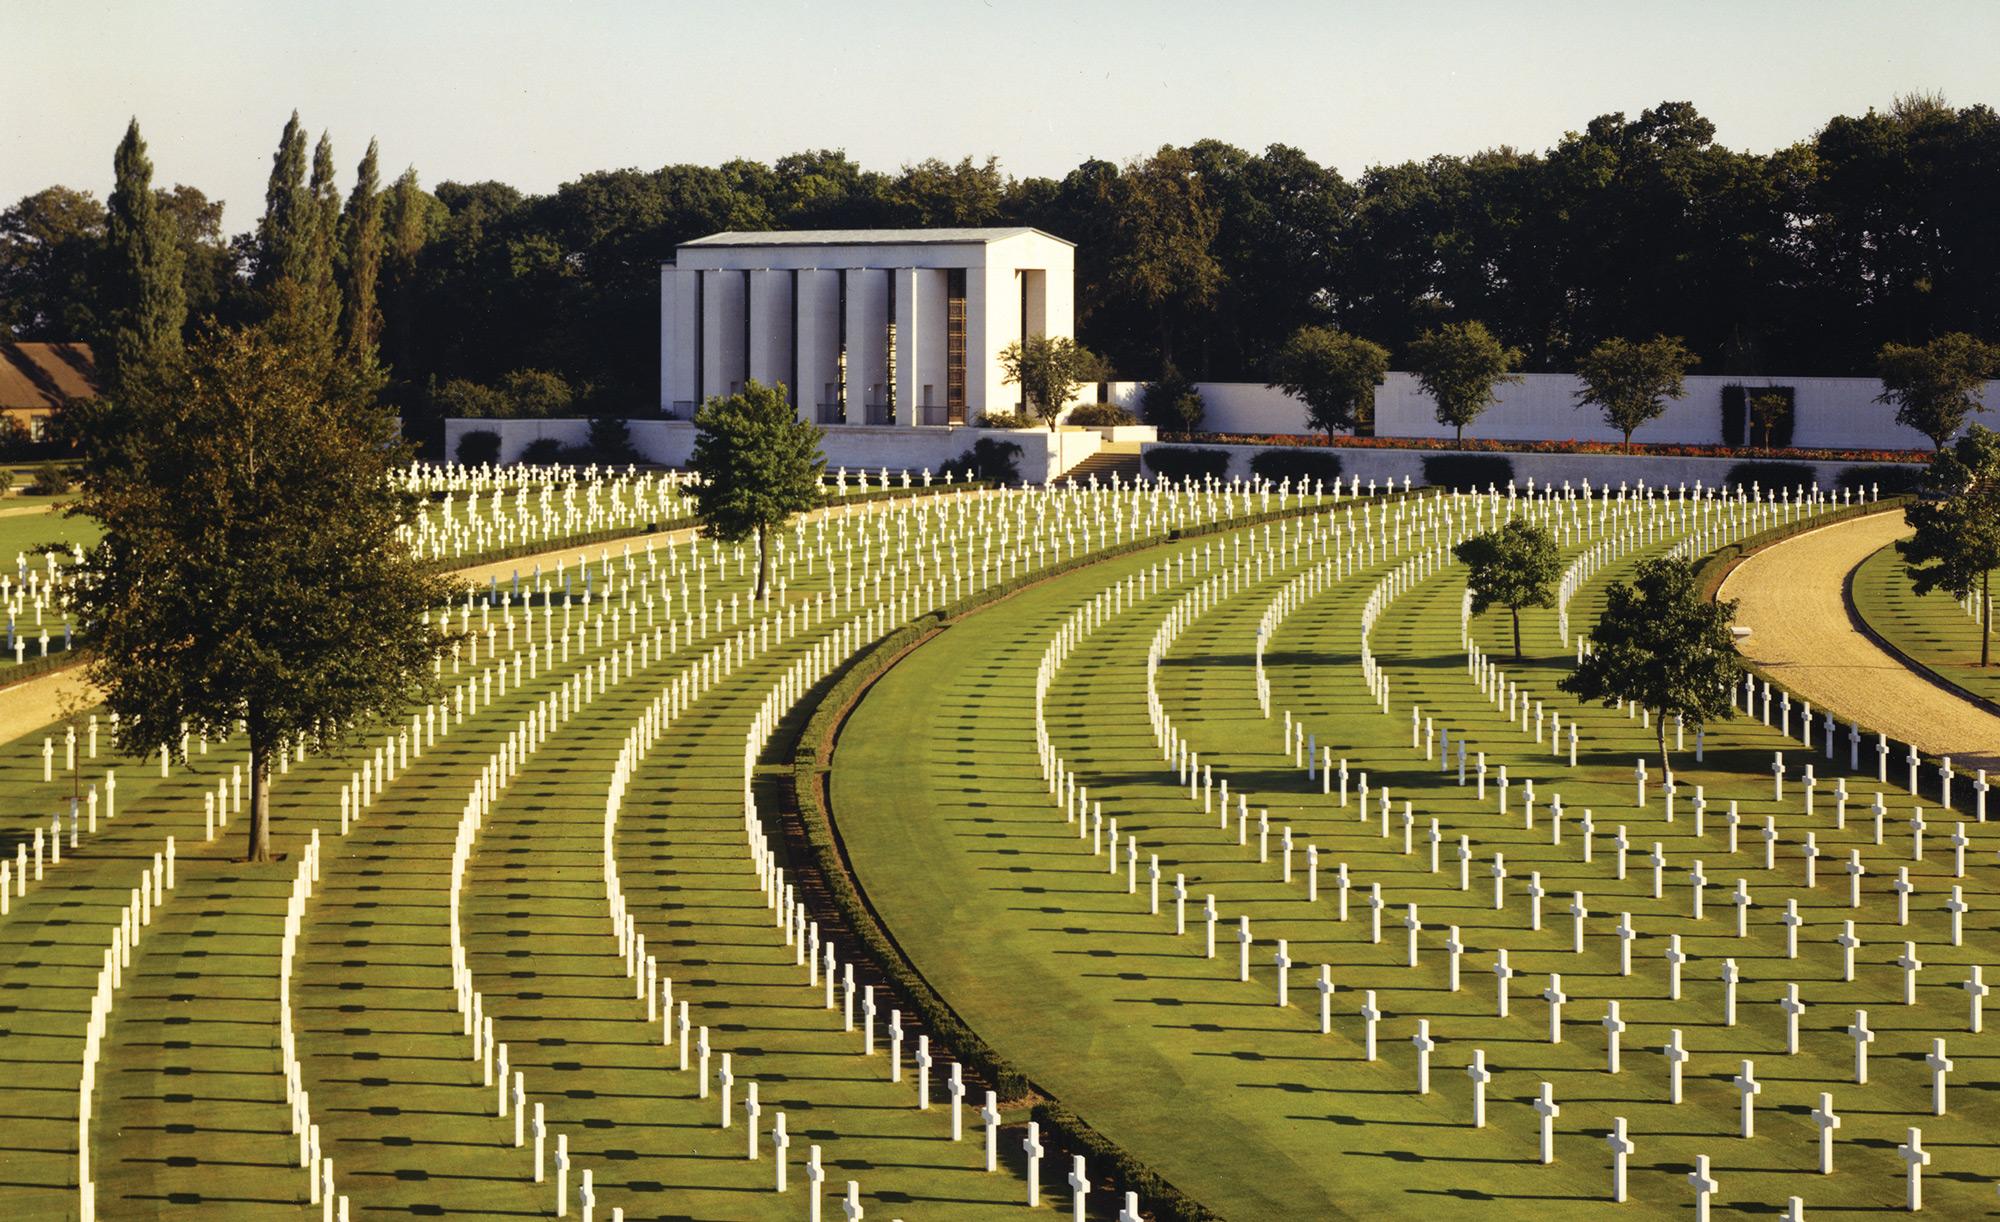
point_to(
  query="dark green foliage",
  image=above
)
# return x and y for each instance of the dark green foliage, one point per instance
(1661, 644)
(51, 252)
(1892, 479)
(1770, 476)
(1934, 387)
(1460, 364)
(1515, 566)
(478, 447)
(758, 465)
(543, 451)
(249, 569)
(1302, 466)
(1957, 520)
(1334, 374)
(52, 479)
(1468, 472)
(1630, 382)
(144, 296)
(1184, 462)
(1100, 415)
(1172, 404)
(611, 440)
(990, 459)
(1005, 420)
(361, 262)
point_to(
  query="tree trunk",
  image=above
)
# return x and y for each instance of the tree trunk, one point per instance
(1460, 442)
(1517, 632)
(763, 566)
(260, 798)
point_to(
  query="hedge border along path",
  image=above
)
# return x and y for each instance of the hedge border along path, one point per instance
(1792, 597)
(1735, 753)
(1931, 631)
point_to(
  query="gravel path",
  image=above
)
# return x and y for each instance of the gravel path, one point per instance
(1792, 599)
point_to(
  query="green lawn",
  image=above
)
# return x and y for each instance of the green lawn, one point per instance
(1247, 1106)
(191, 1116)
(1931, 629)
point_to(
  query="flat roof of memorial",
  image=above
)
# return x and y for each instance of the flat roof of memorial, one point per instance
(871, 237)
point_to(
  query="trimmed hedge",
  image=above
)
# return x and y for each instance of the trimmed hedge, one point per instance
(1100, 415)
(1069, 1133)
(1894, 479)
(1187, 463)
(1771, 476)
(1468, 472)
(1290, 462)
(478, 446)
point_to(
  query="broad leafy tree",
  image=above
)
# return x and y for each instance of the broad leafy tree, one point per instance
(1048, 369)
(1459, 365)
(1333, 373)
(1172, 403)
(51, 244)
(1515, 566)
(249, 574)
(758, 465)
(1957, 540)
(1663, 646)
(1935, 386)
(1630, 382)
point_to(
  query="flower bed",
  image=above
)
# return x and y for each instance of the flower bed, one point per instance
(1567, 446)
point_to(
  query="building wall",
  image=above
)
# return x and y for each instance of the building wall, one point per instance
(1831, 413)
(718, 284)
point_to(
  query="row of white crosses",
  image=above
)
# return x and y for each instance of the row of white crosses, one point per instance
(1937, 1062)
(643, 968)
(564, 504)
(1066, 783)
(156, 882)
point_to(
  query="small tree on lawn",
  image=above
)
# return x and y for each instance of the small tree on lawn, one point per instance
(759, 464)
(250, 570)
(1631, 382)
(1048, 369)
(1333, 373)
(1662, 645)
(1515, 566)
(1459, 365)
(1957, 544)
(1934, 387)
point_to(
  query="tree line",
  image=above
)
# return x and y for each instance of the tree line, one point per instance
(1208, 258)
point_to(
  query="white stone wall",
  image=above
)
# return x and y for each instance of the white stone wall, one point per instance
(1830, 413)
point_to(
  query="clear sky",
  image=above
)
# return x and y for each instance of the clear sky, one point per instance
(537, 93)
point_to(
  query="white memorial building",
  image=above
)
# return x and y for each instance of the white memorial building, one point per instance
(891, 327)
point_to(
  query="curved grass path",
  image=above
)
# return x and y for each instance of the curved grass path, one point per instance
(1932, 630)
(1247, 1106)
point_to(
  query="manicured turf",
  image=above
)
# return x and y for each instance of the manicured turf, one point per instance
(1931, 630)
(1247, 1106)
(191, 1105)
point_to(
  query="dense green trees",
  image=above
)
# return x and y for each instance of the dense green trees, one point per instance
(1876, 230)
(1957, 542)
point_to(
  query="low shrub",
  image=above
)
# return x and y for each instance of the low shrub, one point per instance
(1182, 462)
(1467, 472)
(1299, 466)
(1101, 415)
(542, 451)
(989, 459)
(478, 447)
(51, 479)
(1006, 420)
(1891, 479)
(1772, 475)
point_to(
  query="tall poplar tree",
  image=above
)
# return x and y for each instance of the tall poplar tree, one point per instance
(296, 240)
(144, 292)
(361, 262)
